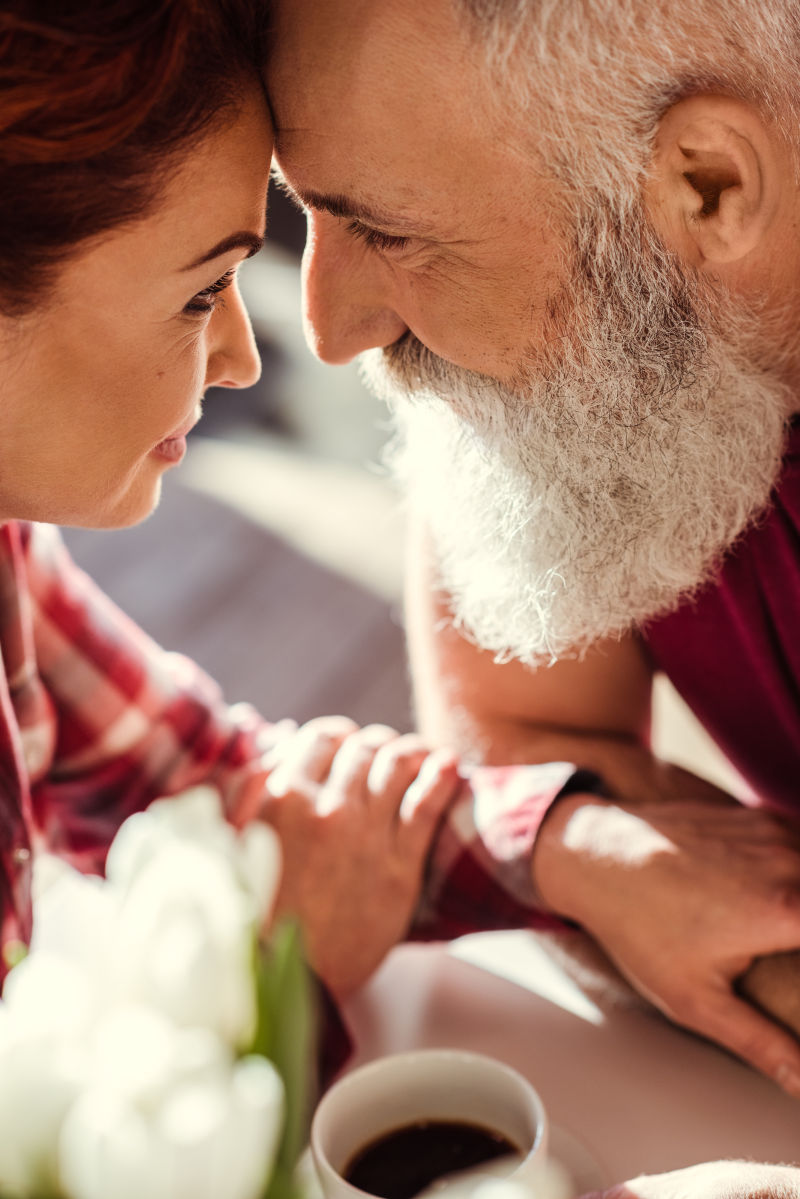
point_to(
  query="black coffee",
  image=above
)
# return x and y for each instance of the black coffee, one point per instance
(401, 1163)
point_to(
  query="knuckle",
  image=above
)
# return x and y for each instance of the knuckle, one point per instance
(353, 756)
(750, 1045)
(329, 807)
(374, 735)
(400, 757)
(783, 858)
(328, 727)
(385, 773)
(280, 783)
(361, 748)
(687, 1007)
(410, 744)
(785, 898)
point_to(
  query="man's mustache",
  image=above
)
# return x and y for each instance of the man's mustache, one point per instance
(410, 363)
(410, 366)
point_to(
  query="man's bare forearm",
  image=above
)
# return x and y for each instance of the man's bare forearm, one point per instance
(630, 770)
(682, 886)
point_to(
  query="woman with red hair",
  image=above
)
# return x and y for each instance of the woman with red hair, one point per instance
(134, 152)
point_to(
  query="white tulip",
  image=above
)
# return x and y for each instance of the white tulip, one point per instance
(260, 865)
(48, 996)
(196, 817)
(202, 1138)
(185, 942)
(222, 1139)
(258, 1110)
(74, 917)
(105, 1149)
(138, 1053)
(40, 1077)
(47, 870)
(118, 1033)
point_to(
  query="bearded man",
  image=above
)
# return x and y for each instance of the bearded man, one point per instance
(565, 237)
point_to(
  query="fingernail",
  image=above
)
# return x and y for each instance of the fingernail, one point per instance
(447, 756)
(788, 1077)
(378, 776)
(440, 762)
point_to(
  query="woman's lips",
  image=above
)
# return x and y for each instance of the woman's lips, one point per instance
(185, 428)
(173, 448)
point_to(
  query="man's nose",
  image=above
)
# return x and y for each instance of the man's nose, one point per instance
(346, 305)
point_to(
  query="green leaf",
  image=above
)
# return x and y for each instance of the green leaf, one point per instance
(14, 952)
(286, 1034)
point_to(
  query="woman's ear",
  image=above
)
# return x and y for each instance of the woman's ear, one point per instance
(715, 179)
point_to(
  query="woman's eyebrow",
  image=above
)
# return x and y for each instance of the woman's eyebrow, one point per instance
(252, 242)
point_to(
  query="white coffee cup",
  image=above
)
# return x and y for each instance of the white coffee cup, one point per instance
(427, 1084)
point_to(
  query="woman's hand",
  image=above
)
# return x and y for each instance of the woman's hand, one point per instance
(356, 810)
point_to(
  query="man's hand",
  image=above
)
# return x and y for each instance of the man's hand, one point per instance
(355, 810)
(712, 1180)
(682, 895)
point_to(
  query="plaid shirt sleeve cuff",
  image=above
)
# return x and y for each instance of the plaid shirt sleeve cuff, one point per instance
(479, 871)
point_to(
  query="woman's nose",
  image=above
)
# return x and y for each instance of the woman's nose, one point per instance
(233, 359)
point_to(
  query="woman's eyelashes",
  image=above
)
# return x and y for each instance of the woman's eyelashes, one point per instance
(206, 300)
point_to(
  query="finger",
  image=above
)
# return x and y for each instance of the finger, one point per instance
(347, 781)
(314, 747)
(783, 932)
(753, 1037)
(427, 799)
(394, 768)
(617, 1192)
(275, 740)
(772, 985)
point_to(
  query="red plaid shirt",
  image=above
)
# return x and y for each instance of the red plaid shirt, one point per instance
(96, 721)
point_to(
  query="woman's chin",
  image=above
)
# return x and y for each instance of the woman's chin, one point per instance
(133, 506)
(101, 503)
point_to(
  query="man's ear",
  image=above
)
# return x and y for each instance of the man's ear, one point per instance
(715, 179)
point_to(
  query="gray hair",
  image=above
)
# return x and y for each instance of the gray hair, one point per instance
(601, 73)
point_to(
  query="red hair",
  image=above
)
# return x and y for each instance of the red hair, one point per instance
(98, 101)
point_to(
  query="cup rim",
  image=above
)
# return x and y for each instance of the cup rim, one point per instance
(358, 1074)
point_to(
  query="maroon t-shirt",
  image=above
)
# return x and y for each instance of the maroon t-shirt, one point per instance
(733, 652)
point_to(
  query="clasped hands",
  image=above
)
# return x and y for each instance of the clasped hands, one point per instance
(356, 810)
(683, 894)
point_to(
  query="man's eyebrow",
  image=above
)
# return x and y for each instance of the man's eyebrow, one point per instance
(252, 242)
(339, 205)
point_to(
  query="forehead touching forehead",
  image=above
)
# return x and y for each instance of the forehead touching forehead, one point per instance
(373, 93)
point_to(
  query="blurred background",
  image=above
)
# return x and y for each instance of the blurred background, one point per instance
(275, 557)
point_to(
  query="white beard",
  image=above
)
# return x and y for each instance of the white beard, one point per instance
(605, 484)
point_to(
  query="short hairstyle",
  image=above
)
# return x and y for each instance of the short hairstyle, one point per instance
(98, 103)
(601, 73)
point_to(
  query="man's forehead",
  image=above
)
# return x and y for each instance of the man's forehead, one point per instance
(384, 113)
(350, 59)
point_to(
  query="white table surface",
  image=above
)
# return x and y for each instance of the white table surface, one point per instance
(640, 1094)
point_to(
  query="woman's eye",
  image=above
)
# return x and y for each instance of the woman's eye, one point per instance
(206, 300)
(375, 239)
